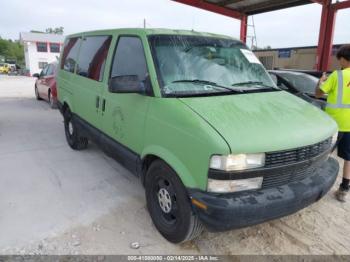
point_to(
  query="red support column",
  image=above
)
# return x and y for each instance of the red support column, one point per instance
(244, 28)
(322, 33)
(325, 41)
(328, 41)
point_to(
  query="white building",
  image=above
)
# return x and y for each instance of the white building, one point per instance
(40, 49)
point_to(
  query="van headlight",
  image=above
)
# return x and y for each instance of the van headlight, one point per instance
(229, 186)
(237, 162)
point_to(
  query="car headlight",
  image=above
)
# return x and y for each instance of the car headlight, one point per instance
(237, 162)
(229, 186)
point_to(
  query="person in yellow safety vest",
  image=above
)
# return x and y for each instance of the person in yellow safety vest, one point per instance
(337, 86)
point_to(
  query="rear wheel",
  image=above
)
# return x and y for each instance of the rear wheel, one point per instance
(37, 96)
(169, 205)
(74, 139)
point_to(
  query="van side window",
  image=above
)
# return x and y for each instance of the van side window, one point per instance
(129, 58)
(70, 53)
(92, 56)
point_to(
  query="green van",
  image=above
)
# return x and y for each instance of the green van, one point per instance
(195, 116)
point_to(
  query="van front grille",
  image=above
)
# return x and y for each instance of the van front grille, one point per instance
(286, 176)
(281, 158)
(294, 164)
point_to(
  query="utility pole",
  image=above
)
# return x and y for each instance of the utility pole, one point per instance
(144, 23)
(253, 37)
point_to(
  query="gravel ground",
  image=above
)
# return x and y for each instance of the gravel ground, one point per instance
(54, 200)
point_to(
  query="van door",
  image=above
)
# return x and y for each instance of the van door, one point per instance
(89, 75)
(124, 113)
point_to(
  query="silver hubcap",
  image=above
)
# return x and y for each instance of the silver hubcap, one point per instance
(70, 128)
(164, 200)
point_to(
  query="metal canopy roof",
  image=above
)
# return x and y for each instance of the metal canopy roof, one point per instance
(241, 9)
(252, 7)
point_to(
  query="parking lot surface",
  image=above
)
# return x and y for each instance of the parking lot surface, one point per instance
(54, 200)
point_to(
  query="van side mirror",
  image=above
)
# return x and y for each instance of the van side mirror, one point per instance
(36, 75)
(126, 84)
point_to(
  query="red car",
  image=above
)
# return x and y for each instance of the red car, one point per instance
(45, 85)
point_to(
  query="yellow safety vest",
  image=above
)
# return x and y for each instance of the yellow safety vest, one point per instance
(337, 87)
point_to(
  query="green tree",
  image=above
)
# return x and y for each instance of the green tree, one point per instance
(12, 50)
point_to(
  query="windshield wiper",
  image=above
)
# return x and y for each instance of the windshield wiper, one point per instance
(206, 82)
(260, 83)
(195, 94)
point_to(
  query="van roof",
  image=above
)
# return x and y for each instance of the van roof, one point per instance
(151, 31)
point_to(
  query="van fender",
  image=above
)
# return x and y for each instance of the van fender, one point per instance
(173, 161)
(66, 100)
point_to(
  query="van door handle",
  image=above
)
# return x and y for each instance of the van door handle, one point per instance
(103, 105)
(97, 101)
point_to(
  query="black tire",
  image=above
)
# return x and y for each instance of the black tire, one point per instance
(51, 100)
(74, 140)
(175, 221)
(37, 93)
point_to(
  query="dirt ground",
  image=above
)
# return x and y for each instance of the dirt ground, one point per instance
(57, 201)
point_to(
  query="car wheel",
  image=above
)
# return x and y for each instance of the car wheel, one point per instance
(74, 139)
(169, 205)
(51, 100)
(37, 96)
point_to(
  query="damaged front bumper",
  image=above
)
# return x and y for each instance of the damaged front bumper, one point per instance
(241, 209)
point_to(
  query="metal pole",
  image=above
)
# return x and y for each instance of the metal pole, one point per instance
(325, 41)
(328, 41)
(244, 28)
(322, 34)
(255, 37)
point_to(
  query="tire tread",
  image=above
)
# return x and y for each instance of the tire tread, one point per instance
(195, 230)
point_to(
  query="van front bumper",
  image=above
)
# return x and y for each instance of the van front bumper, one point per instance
(237, 210)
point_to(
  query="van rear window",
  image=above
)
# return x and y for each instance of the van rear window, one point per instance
(92, 56)
(70, 53)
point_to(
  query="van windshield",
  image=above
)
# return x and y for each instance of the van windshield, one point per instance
(198, 65)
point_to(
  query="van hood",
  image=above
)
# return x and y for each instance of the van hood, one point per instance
(263, 122)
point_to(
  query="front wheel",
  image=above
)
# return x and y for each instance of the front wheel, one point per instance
(74, 139)
(169, 205)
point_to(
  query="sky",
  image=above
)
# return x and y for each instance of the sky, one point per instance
(298, 26)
